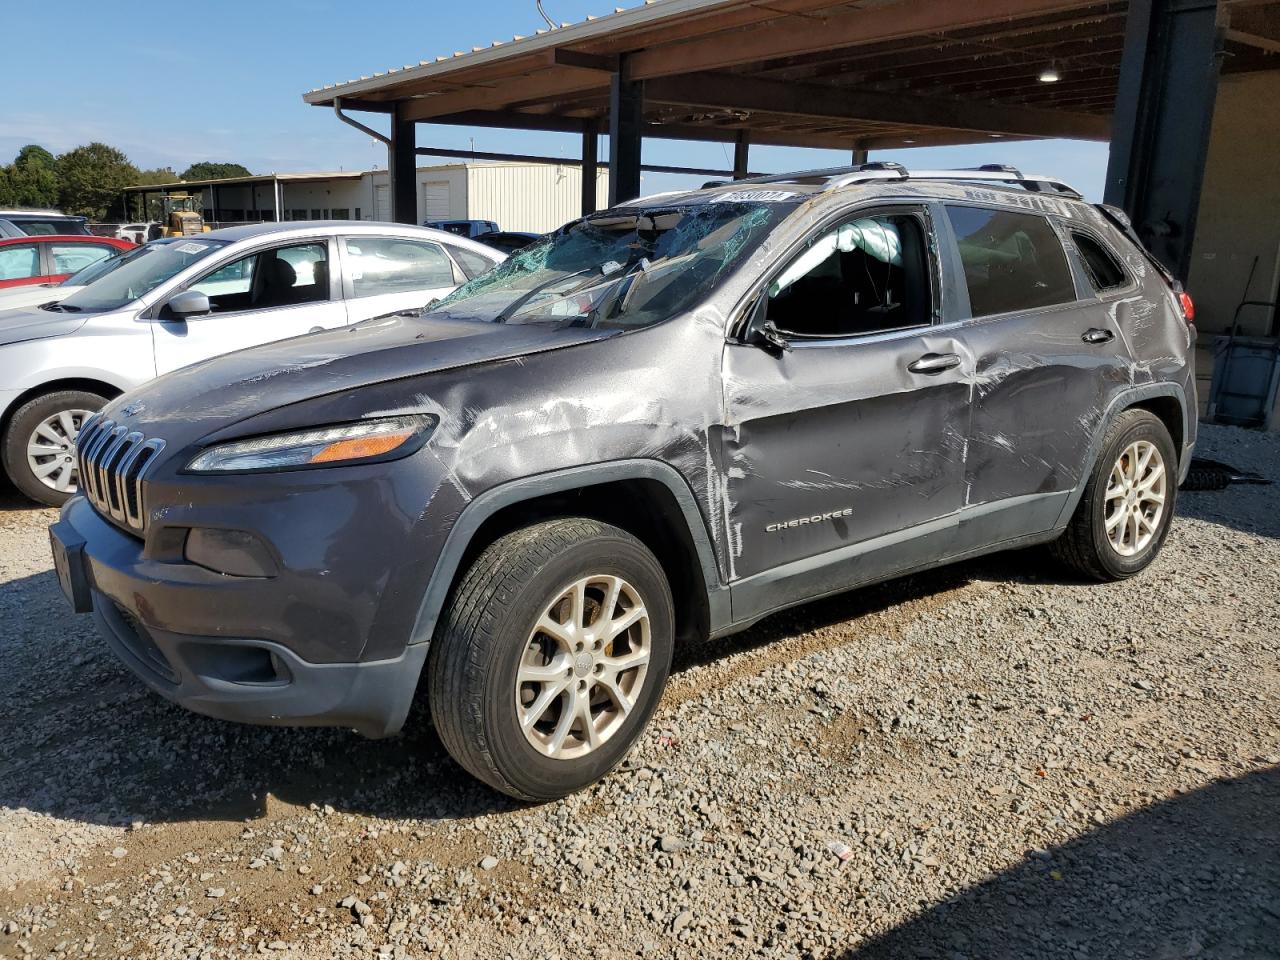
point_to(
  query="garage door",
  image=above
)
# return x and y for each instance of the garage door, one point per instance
(435, 200)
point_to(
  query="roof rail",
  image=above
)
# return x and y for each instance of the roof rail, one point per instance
(876, 170)
(989, 173)
(833, 178)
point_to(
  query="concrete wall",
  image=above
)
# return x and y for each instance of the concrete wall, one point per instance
(1239, 214)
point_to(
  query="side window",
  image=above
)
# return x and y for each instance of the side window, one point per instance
(1012, 261)
(865, 276)
(1105, 272)
(472, 264)
(390, 265)
(18, 261)
(280, 277)
(70, 257)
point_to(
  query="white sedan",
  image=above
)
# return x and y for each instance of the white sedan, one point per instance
(171, 303)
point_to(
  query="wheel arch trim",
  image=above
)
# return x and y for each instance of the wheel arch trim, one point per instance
(513, 492)
(1124, 400)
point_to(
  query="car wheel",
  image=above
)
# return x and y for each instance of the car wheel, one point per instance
(39, 444)
(1123, 517)
(551, 658)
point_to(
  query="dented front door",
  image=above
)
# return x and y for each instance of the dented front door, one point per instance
(837, 443)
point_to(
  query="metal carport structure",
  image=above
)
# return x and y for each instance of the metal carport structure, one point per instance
(861, 75)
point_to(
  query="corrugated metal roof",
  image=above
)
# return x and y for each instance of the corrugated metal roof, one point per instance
(257, 178)
(622, 18)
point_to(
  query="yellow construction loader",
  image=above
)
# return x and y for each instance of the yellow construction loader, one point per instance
(182, 218)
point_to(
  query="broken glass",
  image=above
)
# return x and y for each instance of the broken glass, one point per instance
(624, 268)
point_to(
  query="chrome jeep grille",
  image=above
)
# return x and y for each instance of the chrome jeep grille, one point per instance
(111, 461)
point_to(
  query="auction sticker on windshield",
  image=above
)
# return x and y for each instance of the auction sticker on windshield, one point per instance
(192, 248)
(754, 196)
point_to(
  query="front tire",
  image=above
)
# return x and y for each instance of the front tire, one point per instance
(552, 657)
(39, 444)
(1123, 517)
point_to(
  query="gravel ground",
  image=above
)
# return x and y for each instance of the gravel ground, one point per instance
(990, 761)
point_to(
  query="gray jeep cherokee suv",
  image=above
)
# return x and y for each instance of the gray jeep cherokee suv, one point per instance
(663, 422)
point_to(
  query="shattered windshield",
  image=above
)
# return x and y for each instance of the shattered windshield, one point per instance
(622, 268)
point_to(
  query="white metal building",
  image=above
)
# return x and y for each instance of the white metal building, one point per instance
(533, 197)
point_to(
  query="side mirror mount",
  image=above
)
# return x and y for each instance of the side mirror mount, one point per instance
(188, 303)
(762, 332)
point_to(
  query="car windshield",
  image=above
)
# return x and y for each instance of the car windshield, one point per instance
(139, 273)
(623, 268)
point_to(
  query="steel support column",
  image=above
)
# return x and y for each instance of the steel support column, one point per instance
(590, 159)
(741, 155)
(626, 117)
(1160, 130)
(402, 167)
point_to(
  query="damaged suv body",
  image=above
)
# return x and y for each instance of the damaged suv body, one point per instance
(661, 423)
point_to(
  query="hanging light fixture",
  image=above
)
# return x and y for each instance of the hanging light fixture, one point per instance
(1050, 74)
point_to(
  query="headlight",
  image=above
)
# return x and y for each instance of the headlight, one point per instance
(363, 441)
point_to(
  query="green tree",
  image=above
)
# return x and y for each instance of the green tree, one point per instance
(212, 170)
(92, 178)
(32, 178)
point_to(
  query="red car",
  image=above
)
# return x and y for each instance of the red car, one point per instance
(25, 260)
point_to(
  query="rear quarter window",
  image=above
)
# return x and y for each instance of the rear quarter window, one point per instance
(1102, 266)
(1011, 261)
(472, 264)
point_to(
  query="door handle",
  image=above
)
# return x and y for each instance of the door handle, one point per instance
(934, 363)
(316, 330)
(1098, 335)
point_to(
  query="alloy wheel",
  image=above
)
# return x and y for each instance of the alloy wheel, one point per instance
(583, 667)
(51, 449)
(1135, 498)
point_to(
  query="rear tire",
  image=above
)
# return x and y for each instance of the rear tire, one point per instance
(39, 444)
(552, 657)
(1123, 517)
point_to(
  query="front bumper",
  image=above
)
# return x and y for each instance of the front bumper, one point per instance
(181, 629)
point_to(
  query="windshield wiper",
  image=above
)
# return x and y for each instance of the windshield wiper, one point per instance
(57, 307)
(624, 284)
(519, 302)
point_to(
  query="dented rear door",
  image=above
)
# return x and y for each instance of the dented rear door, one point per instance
(1043, 374)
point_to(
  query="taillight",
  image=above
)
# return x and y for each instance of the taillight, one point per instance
(1187, 305)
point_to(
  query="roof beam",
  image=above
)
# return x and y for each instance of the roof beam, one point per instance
(495, 96)
(737, 92)
(797, 36)
(1254, 40)
(726, 133)
(1256, 26)
(606, 63)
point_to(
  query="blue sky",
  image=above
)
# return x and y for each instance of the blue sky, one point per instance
(224, 81)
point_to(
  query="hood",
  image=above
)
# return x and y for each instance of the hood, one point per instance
(191, 403)
(36, 324)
